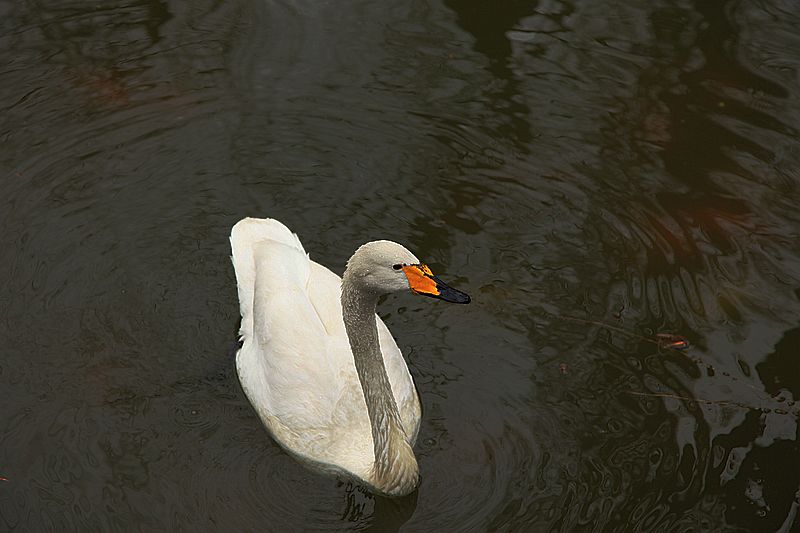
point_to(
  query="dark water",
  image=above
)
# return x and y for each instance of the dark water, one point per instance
(628, 163)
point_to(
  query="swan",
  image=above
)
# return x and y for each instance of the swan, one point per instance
(321, 370)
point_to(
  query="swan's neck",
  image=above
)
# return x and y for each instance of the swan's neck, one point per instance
(395, 467)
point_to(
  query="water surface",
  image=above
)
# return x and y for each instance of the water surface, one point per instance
(593, 174)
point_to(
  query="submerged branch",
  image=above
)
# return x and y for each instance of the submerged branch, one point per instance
(779, 411)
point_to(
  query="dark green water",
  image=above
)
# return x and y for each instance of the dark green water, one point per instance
(629, 163)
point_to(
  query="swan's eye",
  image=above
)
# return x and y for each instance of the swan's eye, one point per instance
(398, 266)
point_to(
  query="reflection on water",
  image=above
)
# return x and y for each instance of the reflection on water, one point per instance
(596, 174)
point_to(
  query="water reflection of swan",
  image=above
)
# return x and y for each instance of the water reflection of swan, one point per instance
(320, 368)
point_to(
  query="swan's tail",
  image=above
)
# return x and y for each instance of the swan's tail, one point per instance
(250, 240)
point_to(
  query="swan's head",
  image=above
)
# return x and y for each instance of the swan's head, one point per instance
(385, 266)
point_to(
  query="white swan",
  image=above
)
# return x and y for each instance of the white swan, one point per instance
(320, 368)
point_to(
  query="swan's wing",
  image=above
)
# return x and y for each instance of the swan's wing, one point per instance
(245, 235)
(283, 364)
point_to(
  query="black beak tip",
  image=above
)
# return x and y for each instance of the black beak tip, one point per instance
(449, 294)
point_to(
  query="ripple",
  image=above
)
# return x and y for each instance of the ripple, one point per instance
(634, 171)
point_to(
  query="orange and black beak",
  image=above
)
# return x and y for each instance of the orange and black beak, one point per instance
(422, 281)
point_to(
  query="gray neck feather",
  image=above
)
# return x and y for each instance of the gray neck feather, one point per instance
(388, 436)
